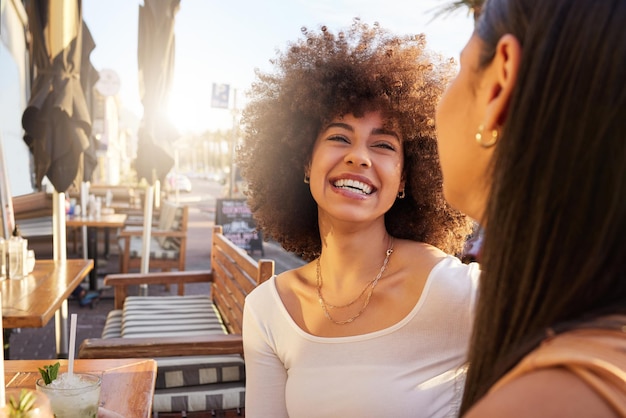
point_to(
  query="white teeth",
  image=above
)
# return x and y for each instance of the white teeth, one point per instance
(354, 185)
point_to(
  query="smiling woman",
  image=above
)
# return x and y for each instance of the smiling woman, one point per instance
(341, 163)
(350, 141)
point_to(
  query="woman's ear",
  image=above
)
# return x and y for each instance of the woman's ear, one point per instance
(503, 72)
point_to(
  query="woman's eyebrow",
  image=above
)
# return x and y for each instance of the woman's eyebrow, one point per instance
(375, 131)
(383, 131)
(340, 125)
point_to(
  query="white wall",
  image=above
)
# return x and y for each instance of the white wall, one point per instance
(13, 97)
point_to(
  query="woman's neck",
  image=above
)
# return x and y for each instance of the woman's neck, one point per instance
(353, 257)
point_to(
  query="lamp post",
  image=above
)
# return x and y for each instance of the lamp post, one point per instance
(233, 147)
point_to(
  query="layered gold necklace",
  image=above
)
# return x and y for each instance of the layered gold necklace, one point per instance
(369, 288)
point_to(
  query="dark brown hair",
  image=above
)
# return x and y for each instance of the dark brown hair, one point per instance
(555, 228)
(324, 75)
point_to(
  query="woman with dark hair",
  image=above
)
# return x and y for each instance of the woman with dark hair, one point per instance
(342, 169)
(532, 142)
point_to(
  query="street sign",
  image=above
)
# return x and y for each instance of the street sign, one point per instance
(220, 96)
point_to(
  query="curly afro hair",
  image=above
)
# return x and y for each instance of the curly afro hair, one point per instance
(326, 75)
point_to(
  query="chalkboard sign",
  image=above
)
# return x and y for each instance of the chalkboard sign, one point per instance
(238, 225)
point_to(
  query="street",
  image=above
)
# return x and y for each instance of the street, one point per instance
(202, 200)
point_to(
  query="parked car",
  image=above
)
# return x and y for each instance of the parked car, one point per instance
(178, 181)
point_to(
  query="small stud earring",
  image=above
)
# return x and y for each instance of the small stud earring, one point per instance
(492, 141)
(401, 194)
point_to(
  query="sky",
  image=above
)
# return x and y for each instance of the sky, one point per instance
(224, 41)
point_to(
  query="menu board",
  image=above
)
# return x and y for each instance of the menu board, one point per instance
(238, 225)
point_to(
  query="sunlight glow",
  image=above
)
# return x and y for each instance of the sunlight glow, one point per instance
(190, 108)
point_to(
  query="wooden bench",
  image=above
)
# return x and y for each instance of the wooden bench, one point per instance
(203, 367)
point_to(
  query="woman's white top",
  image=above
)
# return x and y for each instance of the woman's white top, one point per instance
(415, 368)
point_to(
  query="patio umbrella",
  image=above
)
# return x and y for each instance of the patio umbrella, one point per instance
(155, 58)
(56, 121)
(88, 78)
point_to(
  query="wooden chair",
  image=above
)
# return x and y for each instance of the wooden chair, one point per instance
(168, 243)
(196, 339)
(33, 215)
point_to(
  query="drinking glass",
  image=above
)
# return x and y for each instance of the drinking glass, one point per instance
(75, 396)
(30, 261)
(17, 248)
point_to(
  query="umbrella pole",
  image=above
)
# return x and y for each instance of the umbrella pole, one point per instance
(147, 231)
(60, 255)
(84, 198)
(58, 225)
(176, 172)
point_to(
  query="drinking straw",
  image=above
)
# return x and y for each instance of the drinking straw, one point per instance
(70, 365)
(2, 394)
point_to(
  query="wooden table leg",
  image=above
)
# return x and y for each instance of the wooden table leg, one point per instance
(61, 331)
(92, 238)
(106, 242)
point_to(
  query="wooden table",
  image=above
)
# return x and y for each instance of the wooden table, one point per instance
(127, 384)
(32, 301)
(115, 220)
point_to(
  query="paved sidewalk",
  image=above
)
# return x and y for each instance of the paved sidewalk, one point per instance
(39, 343)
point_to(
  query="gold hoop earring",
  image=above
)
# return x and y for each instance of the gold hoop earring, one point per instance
(492, 141)
(307, 179)
(401, 194)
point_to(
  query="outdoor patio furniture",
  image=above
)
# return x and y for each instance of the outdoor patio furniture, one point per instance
(33, 216)
(196, 339)
(168, 241)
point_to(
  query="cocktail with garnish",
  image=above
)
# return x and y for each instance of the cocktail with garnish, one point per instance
(73, 396)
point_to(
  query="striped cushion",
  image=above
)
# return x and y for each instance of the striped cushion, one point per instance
(200, 398)
(176, 372)
(185, 383)
(170, 316)
(113, 324)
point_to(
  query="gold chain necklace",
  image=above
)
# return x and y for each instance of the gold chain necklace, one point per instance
(371, 285)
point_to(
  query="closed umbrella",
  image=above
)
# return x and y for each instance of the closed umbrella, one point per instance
(89, 76)
(56, 121)
(155, 58)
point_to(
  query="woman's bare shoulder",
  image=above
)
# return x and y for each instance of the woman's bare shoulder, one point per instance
(418, 255)
(547, 393)
(292, 281)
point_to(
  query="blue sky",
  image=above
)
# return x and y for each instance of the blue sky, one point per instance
(223, 41)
